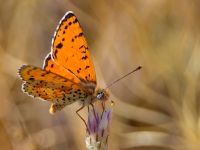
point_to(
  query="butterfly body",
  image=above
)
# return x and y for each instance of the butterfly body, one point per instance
(68, 74)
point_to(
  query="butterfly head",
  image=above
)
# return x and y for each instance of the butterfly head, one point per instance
(102, 95)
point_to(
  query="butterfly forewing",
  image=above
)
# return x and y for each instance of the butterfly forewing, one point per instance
(70, 49)
(51, 66)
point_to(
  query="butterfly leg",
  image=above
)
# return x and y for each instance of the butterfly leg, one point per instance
(82, 117)
(94, 111)
(103, 105)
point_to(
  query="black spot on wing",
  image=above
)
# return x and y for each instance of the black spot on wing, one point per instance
(75, 21)
(87, 67)
(83, 46)
(84, 57)
(87, 77)
(83, 52)
(80, 34)
(70, 23)
(44, 74)
(32, 79)
(78, 71)
(60, 45)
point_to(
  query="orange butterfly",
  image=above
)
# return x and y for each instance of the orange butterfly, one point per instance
(68, 74)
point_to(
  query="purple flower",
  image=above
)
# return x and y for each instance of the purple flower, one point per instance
(98, 126)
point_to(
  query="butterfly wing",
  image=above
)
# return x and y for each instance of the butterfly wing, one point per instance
(68, 73)
(50, 65)
(51, 87)
(70, 49)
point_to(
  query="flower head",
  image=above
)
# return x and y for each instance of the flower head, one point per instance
(98, 128)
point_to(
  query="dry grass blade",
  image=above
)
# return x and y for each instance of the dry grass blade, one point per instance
(156, 108)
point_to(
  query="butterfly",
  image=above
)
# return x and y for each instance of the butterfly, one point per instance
(68, 74)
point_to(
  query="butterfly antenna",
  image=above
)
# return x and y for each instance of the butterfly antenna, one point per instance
(111, 84)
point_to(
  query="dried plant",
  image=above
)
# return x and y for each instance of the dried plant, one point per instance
(157, 108)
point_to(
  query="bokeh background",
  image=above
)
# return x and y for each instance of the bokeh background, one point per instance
(156, 108)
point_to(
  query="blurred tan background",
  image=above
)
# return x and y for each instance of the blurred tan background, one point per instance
(157, 108)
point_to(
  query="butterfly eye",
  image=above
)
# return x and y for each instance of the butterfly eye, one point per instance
(100, 95)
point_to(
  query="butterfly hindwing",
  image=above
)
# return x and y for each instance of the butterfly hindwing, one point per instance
(70, 49)
(43, 91)
(49, 86)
